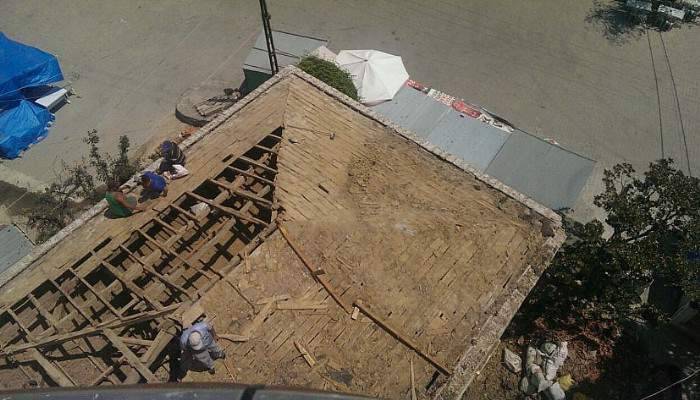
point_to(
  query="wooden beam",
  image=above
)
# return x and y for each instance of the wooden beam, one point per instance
(402, 338)
(56, 375)
(320, 278)
(166, 332)
(104, 375)
(307, 356)
(267, 149)
(136, 341)
(165, 225)
(243, 193)
(131, 286)
(64, 337)
(48, 316)
(155, 273)
(250, 175)
(184, 212)
(97, 294)
(131, 358)
(72, 302)
(256, 164)
(233, 338)
(174, 254)
(227, 210)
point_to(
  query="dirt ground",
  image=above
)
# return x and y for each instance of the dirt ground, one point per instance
(627, 372)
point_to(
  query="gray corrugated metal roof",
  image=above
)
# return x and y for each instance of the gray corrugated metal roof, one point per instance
(545, 172)
(289, 47)
(413, 110)
(13, 246)
(469, 139)
(473, 141)
(550, 174)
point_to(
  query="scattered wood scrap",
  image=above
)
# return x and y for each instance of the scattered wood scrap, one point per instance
(402, 338)
(247, 300)
(309, 360)
(273, 299)
(301, 305)
(234, 338)
(413, 382)
(265, 312)
(190, 315)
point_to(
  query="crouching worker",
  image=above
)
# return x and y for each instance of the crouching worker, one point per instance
(120, 206)
(199, 348)
(154, 185)
(173, 164)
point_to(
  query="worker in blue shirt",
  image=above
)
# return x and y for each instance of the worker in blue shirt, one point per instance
(154, 184)
(199, 348)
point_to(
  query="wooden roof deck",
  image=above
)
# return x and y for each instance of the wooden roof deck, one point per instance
(430, 251)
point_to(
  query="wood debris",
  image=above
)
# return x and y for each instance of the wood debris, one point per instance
(309, 360)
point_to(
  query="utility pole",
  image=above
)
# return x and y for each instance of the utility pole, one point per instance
(268, 37)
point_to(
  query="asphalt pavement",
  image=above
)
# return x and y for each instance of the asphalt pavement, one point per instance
(550, 67)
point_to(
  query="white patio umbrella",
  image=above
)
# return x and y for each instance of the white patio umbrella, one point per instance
(377, 75)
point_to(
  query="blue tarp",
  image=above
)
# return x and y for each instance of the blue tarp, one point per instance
(21, 121)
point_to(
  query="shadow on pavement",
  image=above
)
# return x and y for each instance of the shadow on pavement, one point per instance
(614, 21)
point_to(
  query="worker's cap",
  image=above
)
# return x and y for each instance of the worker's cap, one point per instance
(195, 341)
(166, 145)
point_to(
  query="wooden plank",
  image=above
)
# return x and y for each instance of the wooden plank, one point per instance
(279, 297)
(97, 295)
(413, 383)
(314, 273)
(233, 338)
(131, 358)
(162, 339)
(191, 314)
(64, 337)
(166, 225)
(256, 164)
(402, 338)
(184, 212)
(155, 273)
(309, 360)
(23, 328)
(259, 319)
(250, 175)
(174, 254)
(131, 286)
(265, 203)
(136, 341)
(43, 311)
(267, 149)
(56, 375)
(102, 376)
(301, 305)
(227, 210)
(72, 302)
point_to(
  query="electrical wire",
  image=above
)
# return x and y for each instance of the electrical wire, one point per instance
(671, 385)
(678, 104)
(658, 95)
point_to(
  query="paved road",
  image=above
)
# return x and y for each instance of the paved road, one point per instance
(547, 69)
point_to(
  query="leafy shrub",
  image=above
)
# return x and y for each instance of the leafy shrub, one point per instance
(76, 186)
(329, 73)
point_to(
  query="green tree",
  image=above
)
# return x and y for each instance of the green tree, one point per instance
(329, 73)
(76, 186)
(654, 231)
